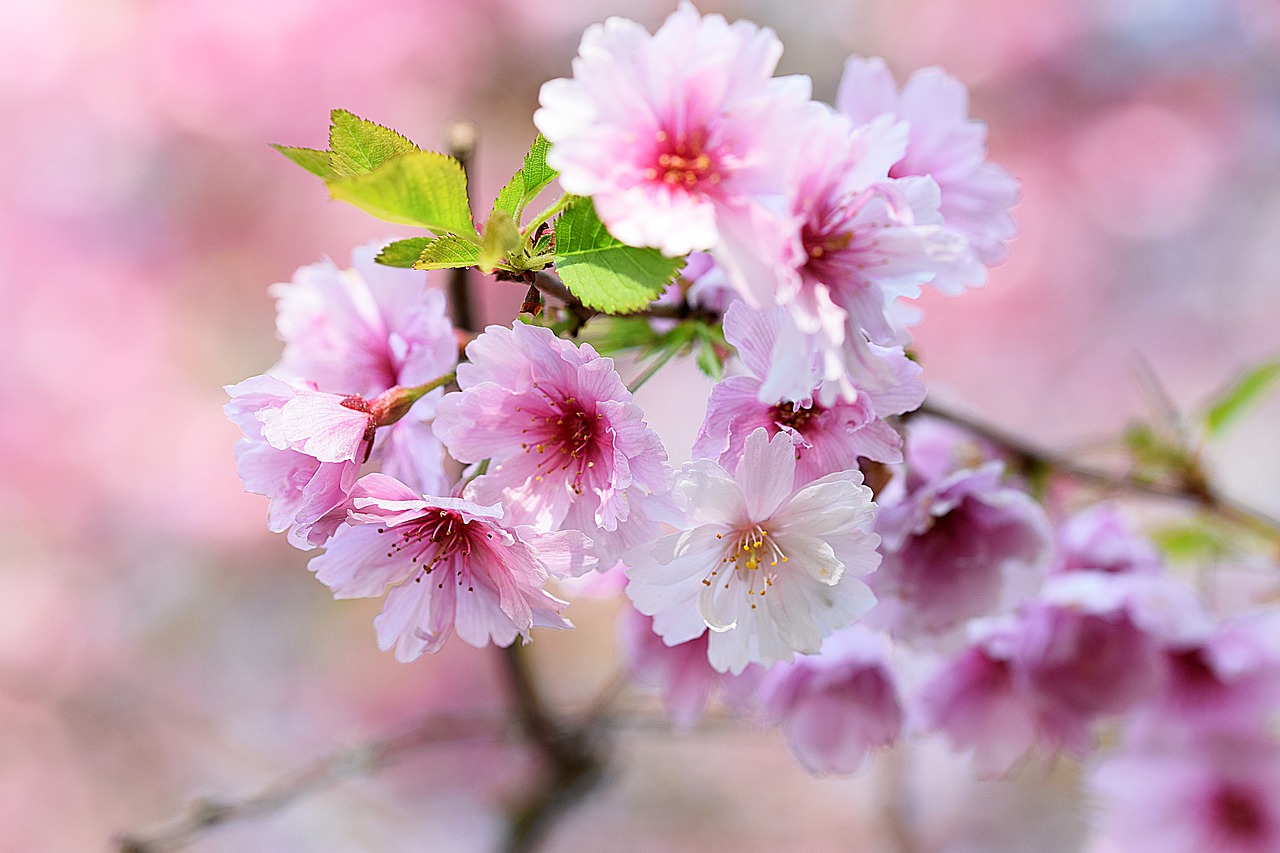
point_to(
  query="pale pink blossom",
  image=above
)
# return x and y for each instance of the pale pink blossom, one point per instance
(363, 331)
(567, 446)
(1220, 794)
(827, 438)
(979, 703)
(770, 568)
(1100, 539)
(837, 706)
(944, 144)
(301, 448)
(446, 565)
(669, 132)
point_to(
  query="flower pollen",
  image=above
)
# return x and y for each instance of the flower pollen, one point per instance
(566, 429)
(743, 559)
(684, 161)
(432, 539)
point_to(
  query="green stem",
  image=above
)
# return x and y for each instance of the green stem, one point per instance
(417, 392)
(653, 367)
(560, 204)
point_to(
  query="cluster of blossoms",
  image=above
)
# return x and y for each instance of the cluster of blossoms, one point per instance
(766, 566)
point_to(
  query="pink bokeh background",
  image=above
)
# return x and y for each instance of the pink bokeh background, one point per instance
(157, 644)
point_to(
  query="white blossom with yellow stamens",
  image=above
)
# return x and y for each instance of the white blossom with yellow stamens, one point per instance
(770, 569)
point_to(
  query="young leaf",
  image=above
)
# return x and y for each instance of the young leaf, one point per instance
(603, 272)
(314, 161)
(358, 146)
(403, 253)
(447, 252)
(1241, 394)
(422, 188)
(500, 238)
(532, 178)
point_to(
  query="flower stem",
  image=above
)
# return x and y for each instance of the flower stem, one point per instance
(652, 368)
(560, 204)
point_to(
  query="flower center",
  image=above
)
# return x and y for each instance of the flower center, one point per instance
(1239, 813)
(794, 415)
(753, 557)
(823, 243)
(685, 161)
(432, 539)
(564, 432)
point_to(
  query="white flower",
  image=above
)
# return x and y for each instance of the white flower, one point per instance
(771, 570)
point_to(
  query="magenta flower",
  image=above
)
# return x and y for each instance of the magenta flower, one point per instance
(1095, 643)
(980, 704)
(836, 706)
(568, 448)
(302, 449)
(827, 438)
(957, 544)
(450, 565)
(1218, 794)
(944, 144)
(363, 331)
(667, 132)
(770, 568)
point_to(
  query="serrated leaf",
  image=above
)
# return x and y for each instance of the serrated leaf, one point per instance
(602, 271)
(500, 238)
(403, 253)
(358, 146)
(447, 252)
(532, 178)
(1244, 392)
(422, 188)
(314, 161)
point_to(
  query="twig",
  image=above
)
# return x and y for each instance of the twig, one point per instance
(573, 754)
(361, 760)
(1189, 490)
(462, 139)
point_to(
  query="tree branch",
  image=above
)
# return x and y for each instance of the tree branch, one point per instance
(363, 760)
(1193, 490)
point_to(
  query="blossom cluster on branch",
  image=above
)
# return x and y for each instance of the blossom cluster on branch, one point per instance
(783, 240)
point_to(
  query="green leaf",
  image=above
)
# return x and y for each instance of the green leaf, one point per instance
(1192, 543)
(531, 179)
(603, 272)
(403, 253)
(358, 146)
(314, 161)
(447, 252)
(1241, 394)
(500, 238)
(422, 188)
(710, 343)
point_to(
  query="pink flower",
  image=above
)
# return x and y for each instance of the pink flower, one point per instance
(827, 438)
(836, 706)
(363, 331)
(944, 144)
(1099, 539)
(302, 449)
(1095, 642)
(769, 568)
(668, 131)
(681, 671)
(955, 548)
(450, 565)
(567, 446)
(980, 704)
(1218, 794)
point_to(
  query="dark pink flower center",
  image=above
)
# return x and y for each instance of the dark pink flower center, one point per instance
(1239, 813)
(566, 435)
(794, 415)
(685, 160)
(438, 537)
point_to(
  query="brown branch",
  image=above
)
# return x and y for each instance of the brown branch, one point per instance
(574, 756)
(1191, 489)
(362, 760)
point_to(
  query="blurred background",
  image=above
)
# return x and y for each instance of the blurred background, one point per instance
(157, 644)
